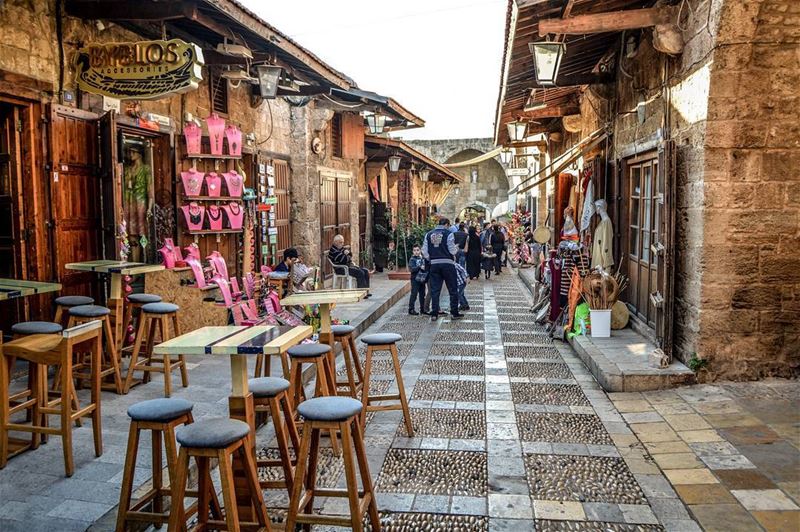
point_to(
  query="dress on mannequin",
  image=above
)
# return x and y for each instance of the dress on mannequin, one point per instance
(213, 185)
(216, 129)
(234, 136)
(193, 135)
(214, 218)
(234, 183)
(194, 214)
(192, 182)
(235, 214)
(602, 244)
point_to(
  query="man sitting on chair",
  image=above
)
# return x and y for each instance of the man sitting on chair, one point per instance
(340, 255)
(290, 257)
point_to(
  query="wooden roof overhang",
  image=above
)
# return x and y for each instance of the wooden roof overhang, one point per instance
(210, 22)
(587, 60)
(397, 117)
(381, 148)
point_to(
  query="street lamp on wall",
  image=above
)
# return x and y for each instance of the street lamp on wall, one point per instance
(424, 174)
(505, 155)
(394, 163)
(547, 57)
(376, 122)
(516, 130)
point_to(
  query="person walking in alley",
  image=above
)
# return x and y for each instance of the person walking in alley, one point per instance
(498, 243)
(460, 238)
(342, 256)
(440, 249)
(462, 281)
(416, 265)
(474, 253)
(487, 262)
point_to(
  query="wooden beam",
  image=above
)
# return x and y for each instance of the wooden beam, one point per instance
(528, 144)
(552, 112)
(540, 4)
(94, 10)
(588, 78)
(607, 22)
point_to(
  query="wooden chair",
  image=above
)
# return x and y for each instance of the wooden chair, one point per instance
(161, 417)
(271, 395)
(343, 334)
(156, 314)
(64, 303)
(110, 357)
(44, 350)
(216, 438)
(336, 414)
(384, 342)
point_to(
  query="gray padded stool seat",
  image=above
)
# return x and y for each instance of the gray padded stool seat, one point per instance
(381, 339)
(342, 330)
(212, 433)
(36, 327)
(267, 386)
(160, 308)
(329, 408)
(309, 350)
(159, 410)
(89, 311)
(144, 299)
(74, 301)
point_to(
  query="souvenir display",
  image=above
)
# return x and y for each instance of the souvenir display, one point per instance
(213, 185)
(193, 135)
(194, 215)
(192, 182)
(192, 251)
(218, 264)
(234, 136)
(216, 128)
(170, 253)
(235, 214)
(197, 270)
(234, 183)
(602, 243)
(214, 218)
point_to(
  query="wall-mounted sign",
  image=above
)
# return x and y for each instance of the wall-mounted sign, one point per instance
(139, 70)
(519, 172)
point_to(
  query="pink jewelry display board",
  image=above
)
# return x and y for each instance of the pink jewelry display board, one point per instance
(170, 253)
(234, 136)
(235, 214)
(192, 252)
(194, 215)
(213, 185)
(234, 183)
(216, 128)
(192, 182)
(214, 218)
(193, 135)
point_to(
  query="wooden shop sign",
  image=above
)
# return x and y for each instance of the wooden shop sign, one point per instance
(139, 70)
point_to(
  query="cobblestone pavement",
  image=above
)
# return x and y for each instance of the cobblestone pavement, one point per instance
(731, 451)
(512, 433)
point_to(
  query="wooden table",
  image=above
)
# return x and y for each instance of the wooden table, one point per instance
(325, 298)
(13, 288)
(116, 298)
(238, 343)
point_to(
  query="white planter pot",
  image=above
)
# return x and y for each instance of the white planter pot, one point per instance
(601, 323)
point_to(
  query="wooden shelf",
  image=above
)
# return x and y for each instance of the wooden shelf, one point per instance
(212, 232)
(212, 156)
(210, 198)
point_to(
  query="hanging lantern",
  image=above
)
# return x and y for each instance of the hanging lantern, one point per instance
(424, 174)
(394, 163)
(547, 60)
(457, 191)
(505, 156)
(516, 130)
(376, 122)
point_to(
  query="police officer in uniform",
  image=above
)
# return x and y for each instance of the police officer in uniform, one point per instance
(440, 249)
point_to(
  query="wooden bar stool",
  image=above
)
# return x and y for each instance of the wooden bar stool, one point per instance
(384, 342)
(156, 314)
(64, 303)
(134, 302)
(270, 394)
(220, 439)
(44, 350)
(343, 334)
(27, 328)
(334, 414)
(110, 359)
(161, 417)
(319, 356)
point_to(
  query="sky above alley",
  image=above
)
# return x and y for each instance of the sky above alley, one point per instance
(439, 58)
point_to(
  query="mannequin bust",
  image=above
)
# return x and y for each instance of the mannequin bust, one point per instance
(569, 231)
(603, 241)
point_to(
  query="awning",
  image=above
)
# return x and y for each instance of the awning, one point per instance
(563, 161)
(397, 116)
(380, 148)
(479, 159)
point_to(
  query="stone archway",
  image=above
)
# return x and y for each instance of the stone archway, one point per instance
(490, 189)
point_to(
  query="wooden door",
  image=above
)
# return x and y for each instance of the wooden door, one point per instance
(75, 192)
(343, 208)
(110, 180)
(327, 218)
(282, 208)
(664, 247)
(12, 220)
(645, 210)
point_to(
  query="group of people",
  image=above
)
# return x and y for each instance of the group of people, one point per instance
(451, 255)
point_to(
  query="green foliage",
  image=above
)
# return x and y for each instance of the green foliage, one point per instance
(696, 364)
(408, 234)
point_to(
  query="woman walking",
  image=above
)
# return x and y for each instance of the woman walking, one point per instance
(498, 241)
(473, 253)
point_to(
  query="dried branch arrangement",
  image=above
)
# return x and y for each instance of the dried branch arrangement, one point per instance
(601, 289)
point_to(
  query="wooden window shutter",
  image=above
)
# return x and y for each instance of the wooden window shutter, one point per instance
(336, 135)
(219, 91)
(353, 136)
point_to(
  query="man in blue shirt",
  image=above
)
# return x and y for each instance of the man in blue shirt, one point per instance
(440, 249)
(290, 256)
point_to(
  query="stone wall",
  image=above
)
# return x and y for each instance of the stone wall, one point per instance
(491, 188)
(441, 150)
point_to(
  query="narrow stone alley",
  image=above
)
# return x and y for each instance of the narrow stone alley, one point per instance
(512, 432)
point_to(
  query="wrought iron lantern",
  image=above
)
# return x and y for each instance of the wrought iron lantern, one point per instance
(394, 163)
(376, 122)
(505, 155)
(516, 130)
(424, 174)
(547, 58)
(268, 79)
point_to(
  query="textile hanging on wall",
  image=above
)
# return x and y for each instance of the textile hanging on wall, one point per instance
(588, 207)
(602, 245)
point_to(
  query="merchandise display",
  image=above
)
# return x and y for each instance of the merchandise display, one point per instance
(194, 215)
(602, 242)
(192, 181)
(193, 136)
(214, 218)
(234, 137)
(235, 214)
(216, 129)
(213, 185)
(234, 183)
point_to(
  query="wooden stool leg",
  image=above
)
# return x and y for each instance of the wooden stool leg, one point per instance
(228, 495)
(365, 387)
(299, 479)
(177, 520)
(327, 386)
(356, 360)
(348, 364)
(137, 348)
(204, 488)
(97, 428)
(259, 366)
(155, 323)
(291, 428)
(164, 328)
(4, 409)
(126, 490)
(350, 476)
(251, 477)
(280, 436)
(296, 380)
(66, 415)
(112, 354)
(176, 331)
(366, 479)
(311, 476)
(59, 315)
(158, 474)
(402, 390)
(127, 320)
